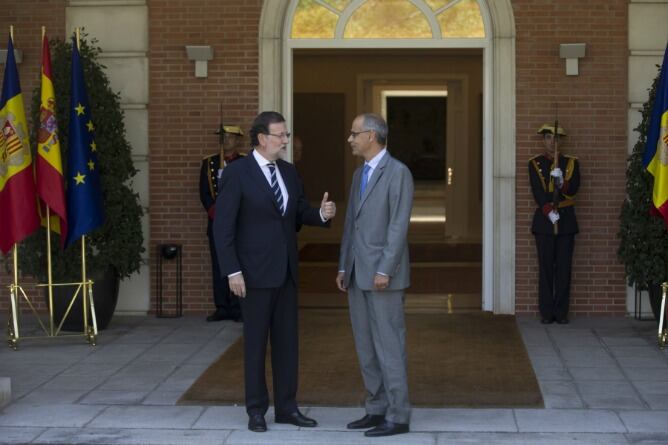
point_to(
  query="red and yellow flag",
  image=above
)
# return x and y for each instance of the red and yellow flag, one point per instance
(18, 206)
(48, 164)
(655, 158)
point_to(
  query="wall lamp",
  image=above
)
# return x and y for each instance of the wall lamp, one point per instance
(572, 52)
(201, 54)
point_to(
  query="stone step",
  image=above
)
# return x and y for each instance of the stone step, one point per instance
(5, 391)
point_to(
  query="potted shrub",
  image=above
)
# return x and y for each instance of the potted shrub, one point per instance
(113, 252)
(643, 236)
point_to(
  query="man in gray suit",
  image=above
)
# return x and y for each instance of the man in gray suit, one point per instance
(374, 269)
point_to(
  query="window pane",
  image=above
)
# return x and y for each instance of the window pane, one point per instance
(462, 20)
(313, 21)
(338, 4)
(387, 19)
(435, 4)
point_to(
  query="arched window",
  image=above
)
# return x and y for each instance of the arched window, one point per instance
(387, 19)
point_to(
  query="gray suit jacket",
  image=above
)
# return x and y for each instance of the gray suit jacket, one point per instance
(376, 226)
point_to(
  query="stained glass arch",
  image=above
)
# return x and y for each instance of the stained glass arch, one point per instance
(387, 19)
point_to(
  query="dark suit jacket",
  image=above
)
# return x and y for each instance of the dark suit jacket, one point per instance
(252, 236)
(541, 187)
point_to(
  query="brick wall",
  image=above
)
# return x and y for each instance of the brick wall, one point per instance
(28, 17)
(592, 108)
(183, 114)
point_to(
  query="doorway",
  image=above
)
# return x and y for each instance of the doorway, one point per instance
(429, 98)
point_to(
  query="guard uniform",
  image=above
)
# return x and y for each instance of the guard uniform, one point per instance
(227, 304)
(555, 247)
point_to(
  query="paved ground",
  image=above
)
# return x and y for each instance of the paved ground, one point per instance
(604, 382)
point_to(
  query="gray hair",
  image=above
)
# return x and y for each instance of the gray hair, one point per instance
(376, 123)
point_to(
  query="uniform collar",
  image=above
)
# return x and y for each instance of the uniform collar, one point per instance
(231, 157)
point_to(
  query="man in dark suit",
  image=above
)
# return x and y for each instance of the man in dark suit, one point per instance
(554, 224)
(261, 203)
(227, 304)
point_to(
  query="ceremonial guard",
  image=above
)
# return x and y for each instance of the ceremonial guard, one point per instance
(227, 304)
(554, 185)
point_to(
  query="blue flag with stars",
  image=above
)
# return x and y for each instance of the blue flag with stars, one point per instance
(84, 193)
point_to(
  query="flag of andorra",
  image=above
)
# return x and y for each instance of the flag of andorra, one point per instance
(18, 203)
(655, 158)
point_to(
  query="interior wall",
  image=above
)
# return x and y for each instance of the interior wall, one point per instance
(338, 72)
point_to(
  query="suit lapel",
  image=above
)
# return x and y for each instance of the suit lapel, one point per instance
(260, 179)
(375, 177)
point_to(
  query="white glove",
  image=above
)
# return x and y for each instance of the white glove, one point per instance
(554, 216)
(558, 176)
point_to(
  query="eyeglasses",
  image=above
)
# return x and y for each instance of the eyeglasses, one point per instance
(353, 134)
(280, 135)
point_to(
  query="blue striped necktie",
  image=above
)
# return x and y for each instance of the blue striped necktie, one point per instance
(365, 179)
(278, 196)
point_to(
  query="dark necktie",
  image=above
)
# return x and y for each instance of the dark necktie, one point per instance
(365, 179)
(273, 181)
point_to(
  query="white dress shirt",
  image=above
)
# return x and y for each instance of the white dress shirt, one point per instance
(373, 163)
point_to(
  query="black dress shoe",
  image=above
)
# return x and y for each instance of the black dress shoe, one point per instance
(368, 421)
(217, 316)
(256, 423)
(297, 419)
(387, 428)
(563, 320)
(546, 320)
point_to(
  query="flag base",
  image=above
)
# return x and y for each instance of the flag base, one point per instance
(89, 331)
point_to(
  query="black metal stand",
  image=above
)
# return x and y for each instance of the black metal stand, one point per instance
(638, 306)
(168, 252)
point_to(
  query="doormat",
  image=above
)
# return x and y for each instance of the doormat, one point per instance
(471, 360)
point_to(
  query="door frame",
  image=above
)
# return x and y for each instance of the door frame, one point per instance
(499, 116)
(457, 86)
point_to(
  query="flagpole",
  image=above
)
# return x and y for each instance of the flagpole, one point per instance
(49, 267)
(83, 252)
(16, 247)
(85, 284)
(48, 238)
(14, 331)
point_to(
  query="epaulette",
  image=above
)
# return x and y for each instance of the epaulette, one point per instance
(537, 156)
(209, 156)
(570, 157)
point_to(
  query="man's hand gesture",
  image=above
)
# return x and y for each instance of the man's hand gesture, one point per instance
(327, 208)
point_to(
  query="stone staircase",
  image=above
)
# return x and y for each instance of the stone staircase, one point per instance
(5, 391)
